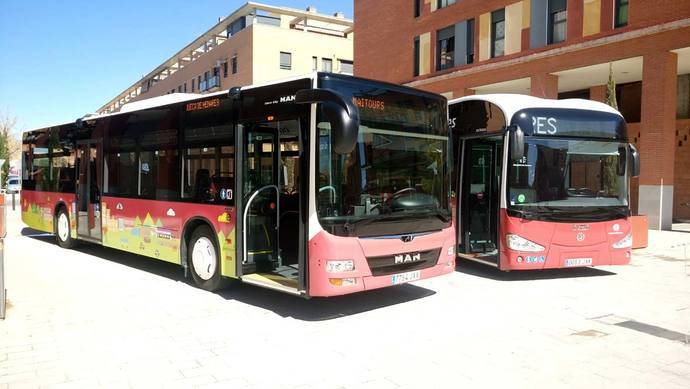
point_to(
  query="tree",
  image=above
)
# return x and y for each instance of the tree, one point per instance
(610, 171)
(8, 142)
(611, 90)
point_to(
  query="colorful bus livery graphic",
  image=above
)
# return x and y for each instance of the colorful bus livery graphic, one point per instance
(130, 226)
(229, 186)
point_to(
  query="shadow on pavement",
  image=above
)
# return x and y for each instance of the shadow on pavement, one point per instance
(285, 305)
(318, 308)
(484, 271)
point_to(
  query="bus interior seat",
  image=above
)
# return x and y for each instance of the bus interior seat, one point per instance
(202, 184)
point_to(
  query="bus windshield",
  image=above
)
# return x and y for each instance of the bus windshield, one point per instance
(396, 180)
(570, 178)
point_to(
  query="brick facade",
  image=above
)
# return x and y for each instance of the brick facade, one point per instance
(655, 31)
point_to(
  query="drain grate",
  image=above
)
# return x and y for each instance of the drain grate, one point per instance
(653, 330)
(645, 328)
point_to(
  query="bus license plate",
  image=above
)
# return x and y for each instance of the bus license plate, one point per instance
(577, 262)
(406, 277)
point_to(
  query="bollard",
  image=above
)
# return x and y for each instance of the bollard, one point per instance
(13, 193)
(3, 232)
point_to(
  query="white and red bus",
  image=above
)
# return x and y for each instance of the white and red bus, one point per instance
(320, 185)
(541, 183)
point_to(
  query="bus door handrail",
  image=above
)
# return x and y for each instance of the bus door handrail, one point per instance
(246, 214)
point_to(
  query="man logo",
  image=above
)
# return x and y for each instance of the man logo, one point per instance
(408, 258)
(287, 99)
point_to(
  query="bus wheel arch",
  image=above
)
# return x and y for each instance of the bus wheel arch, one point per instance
(200, 229)
(62, 226)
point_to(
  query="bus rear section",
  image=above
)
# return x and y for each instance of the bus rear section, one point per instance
(316, 186)
(542, 183)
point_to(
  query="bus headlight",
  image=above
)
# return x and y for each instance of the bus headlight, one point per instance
(624, 243)
(518, 243)
(340, 266)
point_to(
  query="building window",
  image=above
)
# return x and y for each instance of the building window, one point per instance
(179, 89)
(445, 48)
(193, 85)
(233, 63)
(285, 60)
(314, 64)
(498, 33)
(621, 13)
(558, 21)
(417, 8)
(327, 65)
(417, 56)
(470, 41)
(225, 69)
(184, 87)
(444, 3)
(346, 67)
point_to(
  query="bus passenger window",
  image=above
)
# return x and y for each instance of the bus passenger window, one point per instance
(148, 171)
(121, 174)
(208, 175)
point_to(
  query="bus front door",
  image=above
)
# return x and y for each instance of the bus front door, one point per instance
(480, 201)
(261, 199)
(271, 231)
(89, 191)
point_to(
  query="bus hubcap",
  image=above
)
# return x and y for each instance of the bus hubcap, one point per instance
(204, 258)
(63, 227)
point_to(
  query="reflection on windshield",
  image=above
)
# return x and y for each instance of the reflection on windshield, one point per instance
(569, 173)
(390, 172)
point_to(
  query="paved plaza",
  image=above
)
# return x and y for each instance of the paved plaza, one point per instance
(96, 317)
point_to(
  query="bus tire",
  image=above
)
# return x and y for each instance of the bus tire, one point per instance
(204, 259)
(63, 234)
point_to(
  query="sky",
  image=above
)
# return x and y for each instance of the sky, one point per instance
(60, 60)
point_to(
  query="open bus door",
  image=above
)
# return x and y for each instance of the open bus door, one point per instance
(479, 128)
(480, 198)
(89, 184)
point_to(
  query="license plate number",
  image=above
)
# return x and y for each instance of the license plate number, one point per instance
(406, 277)
(576, 262)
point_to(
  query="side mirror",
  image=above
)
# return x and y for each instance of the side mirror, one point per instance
(622, 160)
(635, 161)
(340, 112)
(517, 142)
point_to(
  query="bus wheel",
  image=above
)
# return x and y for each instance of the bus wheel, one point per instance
(203, 258)
(62, 232)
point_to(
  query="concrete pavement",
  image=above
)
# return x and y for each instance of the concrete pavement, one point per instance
(96, 317)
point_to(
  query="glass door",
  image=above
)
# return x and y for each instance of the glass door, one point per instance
(89, 191)
(261, 155)
(480, 197)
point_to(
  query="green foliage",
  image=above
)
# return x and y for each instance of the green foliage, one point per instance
(611, 90)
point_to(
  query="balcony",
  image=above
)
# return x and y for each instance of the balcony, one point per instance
(210, 83)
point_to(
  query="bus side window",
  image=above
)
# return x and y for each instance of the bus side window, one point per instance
(208, 175)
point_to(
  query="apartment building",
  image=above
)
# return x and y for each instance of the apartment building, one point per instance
(552, 49)
(255, 44)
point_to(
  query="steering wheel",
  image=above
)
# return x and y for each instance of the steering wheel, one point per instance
(581, 192)
(403, 191)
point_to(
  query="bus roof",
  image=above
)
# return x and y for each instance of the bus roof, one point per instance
(513, 103)
(173, 98)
